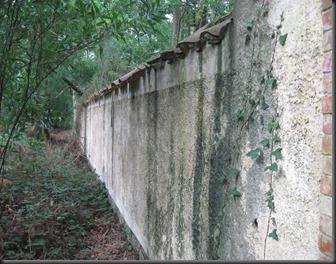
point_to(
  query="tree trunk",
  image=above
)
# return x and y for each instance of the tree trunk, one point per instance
(177, 15)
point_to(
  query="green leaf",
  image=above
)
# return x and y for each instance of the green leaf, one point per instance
(249, 25)
(272, 167)
(255, 153)
(273, 221)
(221, 178)
(274, 235)
(252, 102)
(265, 142)
(277, 153)
(272, 125)
(276, 138)
(235, 192)
(233, 172)
(270, 199)
(271, 82)
(240, 114)
(264, 105)
(282, 39)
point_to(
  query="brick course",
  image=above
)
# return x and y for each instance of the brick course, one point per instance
(327, 104)
(327, 165)
(326, 185)
(327, 124)
(326, 225)
(327, 84)
(326, 145)
(326, 4)
(327, 19)
(326, 188)
(325, 244)
(327, 62)
(325, 205)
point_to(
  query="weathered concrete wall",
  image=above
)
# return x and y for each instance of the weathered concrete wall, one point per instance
(165, 144)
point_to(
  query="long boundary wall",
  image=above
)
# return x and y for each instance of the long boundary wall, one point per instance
(165, 137)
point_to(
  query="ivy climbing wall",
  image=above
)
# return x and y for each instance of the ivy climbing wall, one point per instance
(213, 150)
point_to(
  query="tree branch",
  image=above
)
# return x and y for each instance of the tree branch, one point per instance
(72, 86)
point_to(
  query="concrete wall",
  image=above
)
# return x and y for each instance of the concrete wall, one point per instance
(165, 143)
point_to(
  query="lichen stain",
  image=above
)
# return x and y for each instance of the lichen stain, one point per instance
(220, 158)
(199, 164)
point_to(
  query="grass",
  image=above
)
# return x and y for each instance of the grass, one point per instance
(52, 204)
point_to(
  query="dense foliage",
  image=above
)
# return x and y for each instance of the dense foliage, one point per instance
(51, 204)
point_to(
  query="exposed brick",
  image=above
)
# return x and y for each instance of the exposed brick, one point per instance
(323, 257)
(326, 185)
(327, 83)
(325, 244)
(327, 62)
(327, 102)
(326, 145)
(327, 124)
(326, 4)
(326, 225)
(327, 19)
(327, 165)
(325, 205)
(327, 40)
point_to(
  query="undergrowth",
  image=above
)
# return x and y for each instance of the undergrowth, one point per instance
(49, 204)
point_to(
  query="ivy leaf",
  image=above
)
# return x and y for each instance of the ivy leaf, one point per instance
(233, 172)
(282, 39)
(255, 153)
(276, 139)
(271, 82)
(249, 25)
(272, 167)
(264, 105)
(265, 142)
(235, 192)
(221, 178)
(273, 221)
(252, 102)
(277, 153)
(272, 125)
(270, 200)
(240, 114)
(262, 81)
(274, 235)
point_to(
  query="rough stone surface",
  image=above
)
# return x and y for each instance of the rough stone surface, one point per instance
(165, 143)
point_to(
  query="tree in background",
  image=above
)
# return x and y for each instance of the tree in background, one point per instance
(53, 50)
(190, 15)
(38, 38)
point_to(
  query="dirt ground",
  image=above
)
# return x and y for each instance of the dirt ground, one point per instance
(53, 207)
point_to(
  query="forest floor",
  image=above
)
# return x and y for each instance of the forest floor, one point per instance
(53, 207)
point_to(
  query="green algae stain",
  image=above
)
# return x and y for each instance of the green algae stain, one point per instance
(153, 213)
(171, 197)
(180, 220)
(199, 166)
(220, 159)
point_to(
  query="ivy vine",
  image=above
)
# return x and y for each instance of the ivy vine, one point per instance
(254, 104)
